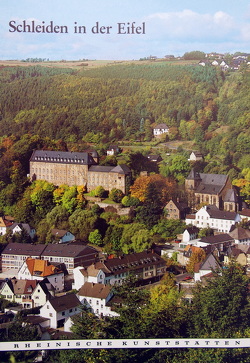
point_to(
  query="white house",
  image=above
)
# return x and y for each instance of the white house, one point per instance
(92, 273)
(190, 234)
(245, 214)
(241, 235)
(96, 297)
(58, 309)
(62, 236)
(209, 265)
(160, 129)
(43, 292)
(19, 291)
(211, 216)
(195, 156)
(20, 227)
(36, 269)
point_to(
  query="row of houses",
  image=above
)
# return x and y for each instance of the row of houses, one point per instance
(40, 281)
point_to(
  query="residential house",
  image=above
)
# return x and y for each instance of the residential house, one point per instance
(206, 267)
(185, 284)
(58, 309)
(211, 189)
(41, 325)
(113, 150)
(218, 243)
(19, 291)
(14, 254)
(240, 235)
(96, 297)
(210, 216)
(154, 158)
(190, 234)
(183, 257)
(246, 249)
(5, 223)
(160, 129)
(176, 209)
(91, 273)
(36, 269)
(62, 236)
(147, 266)
(72, 255)
(195, 156)
(43, 292)
(245, 214)
(234, 253)
(23, 227)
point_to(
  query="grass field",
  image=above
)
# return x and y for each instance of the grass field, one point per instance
(90, 64)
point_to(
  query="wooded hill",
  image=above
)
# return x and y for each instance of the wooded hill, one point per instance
(124, 101)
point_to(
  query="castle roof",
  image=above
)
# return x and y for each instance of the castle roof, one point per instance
(62, 157)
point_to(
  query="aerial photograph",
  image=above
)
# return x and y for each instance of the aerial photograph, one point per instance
(125, 181)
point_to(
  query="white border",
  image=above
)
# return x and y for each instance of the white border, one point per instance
(124, 343)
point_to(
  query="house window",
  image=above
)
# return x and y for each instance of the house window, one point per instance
(63, 313)
(50, 314)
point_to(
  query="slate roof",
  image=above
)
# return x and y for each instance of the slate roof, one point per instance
(133, 261)
(181, 206)
(68, 250)
(120, 169)
(58, 232)
(99, 291)
(100, 168)
(65, 302)
(194, 175)
(155, 158)
(209, 263)
(22, 287)
(47, 287)
(240, 233)
(216, 213)
(161, 126)
(231, 196)
(62, 157)
(245, 212)
(219, 238)
(192, 230)
(27, 249)
(209, 183)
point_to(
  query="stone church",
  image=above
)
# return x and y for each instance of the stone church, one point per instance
(78, 168)
(211, 189)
